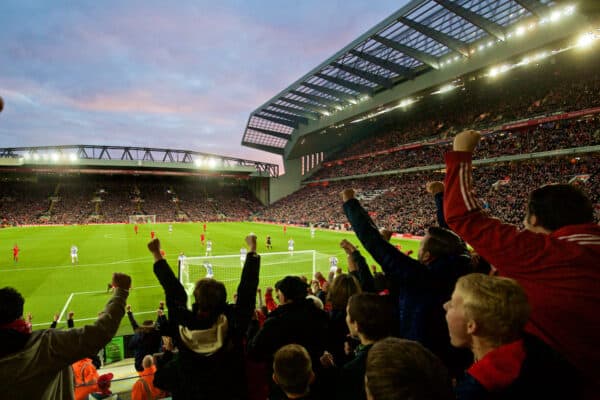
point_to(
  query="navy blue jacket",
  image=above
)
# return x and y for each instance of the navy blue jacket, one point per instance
(421, 289)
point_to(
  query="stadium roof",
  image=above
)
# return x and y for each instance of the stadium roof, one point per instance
(128, 157)
(421, 38)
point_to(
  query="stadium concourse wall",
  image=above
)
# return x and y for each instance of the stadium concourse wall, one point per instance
(287, 183)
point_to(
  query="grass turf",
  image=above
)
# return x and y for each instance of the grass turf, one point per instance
(52, 285)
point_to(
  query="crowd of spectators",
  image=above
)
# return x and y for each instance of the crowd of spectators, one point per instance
(404, 207)
(544, 89)
(70, 200)
(546, 137)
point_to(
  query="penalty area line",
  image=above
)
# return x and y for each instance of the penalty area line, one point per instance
(62, 313)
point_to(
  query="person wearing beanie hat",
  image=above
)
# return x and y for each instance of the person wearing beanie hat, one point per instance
(297, 320)
(104, 392)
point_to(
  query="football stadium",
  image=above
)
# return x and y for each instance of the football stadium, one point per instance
(436, 179)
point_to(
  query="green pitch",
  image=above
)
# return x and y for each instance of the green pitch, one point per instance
(52, 285)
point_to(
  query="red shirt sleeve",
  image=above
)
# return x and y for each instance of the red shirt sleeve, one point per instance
(489, 236)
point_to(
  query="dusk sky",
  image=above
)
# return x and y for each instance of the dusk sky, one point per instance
(173, 74)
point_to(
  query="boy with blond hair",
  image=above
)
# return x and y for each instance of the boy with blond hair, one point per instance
(488, 315)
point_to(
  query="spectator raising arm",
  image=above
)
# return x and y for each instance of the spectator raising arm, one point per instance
(554, 259)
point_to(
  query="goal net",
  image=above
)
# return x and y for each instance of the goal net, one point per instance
(142, 219)
(228, 269)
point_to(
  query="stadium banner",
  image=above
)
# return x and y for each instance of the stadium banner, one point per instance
(552, 118)
(114, 350)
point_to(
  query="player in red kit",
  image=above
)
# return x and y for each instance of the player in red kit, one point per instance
(204, 229)
(16, 253)
(202, 237)
(152, 234)
(135, 228)
(284, 229)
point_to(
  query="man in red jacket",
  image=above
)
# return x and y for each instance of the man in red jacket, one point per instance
(555, 258)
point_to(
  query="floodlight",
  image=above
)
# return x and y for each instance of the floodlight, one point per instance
(326, 113)
(55, 157)
(493, 72)
(525, 61)
(27, 156)
(456, 58)
(520, 31)
(212, 162)
(569, 10)
(490, 44)
(586, 39)
(480, 47)
(364, 98)
(406, 102)
(36, 156)
(73, 157)
(352, 101)
(198, 162)
(555, 16)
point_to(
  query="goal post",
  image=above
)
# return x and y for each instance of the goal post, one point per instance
(228, 269)
(142, 219)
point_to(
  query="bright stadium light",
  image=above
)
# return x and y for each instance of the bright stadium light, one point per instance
(480, 47)
(36, 156)
(26, 156)
(525, 61)
(490, 44)
(555, 16)
(198, 162)
(55, 157)
(520, 31)
(446, 88)
(212, 162)
(352, 101)
(586, 39)
(326, 113)
(73, 157)
(568, 10)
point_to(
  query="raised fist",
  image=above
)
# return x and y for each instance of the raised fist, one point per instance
(121, 280)
(466, 141)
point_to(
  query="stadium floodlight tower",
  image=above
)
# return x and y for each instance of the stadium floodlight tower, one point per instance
(425, 45)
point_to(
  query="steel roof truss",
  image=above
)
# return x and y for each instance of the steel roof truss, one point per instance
(409, 51)
(378, 79)
(357, 87)
(291, 124)
(297, 111)
(270, 133)
(332, 92)
(389, 65)
(283, 115)
(309, 106)
(440, 37)
(489, 26)
(533, 6)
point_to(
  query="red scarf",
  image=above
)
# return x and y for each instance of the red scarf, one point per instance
(19, 325)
